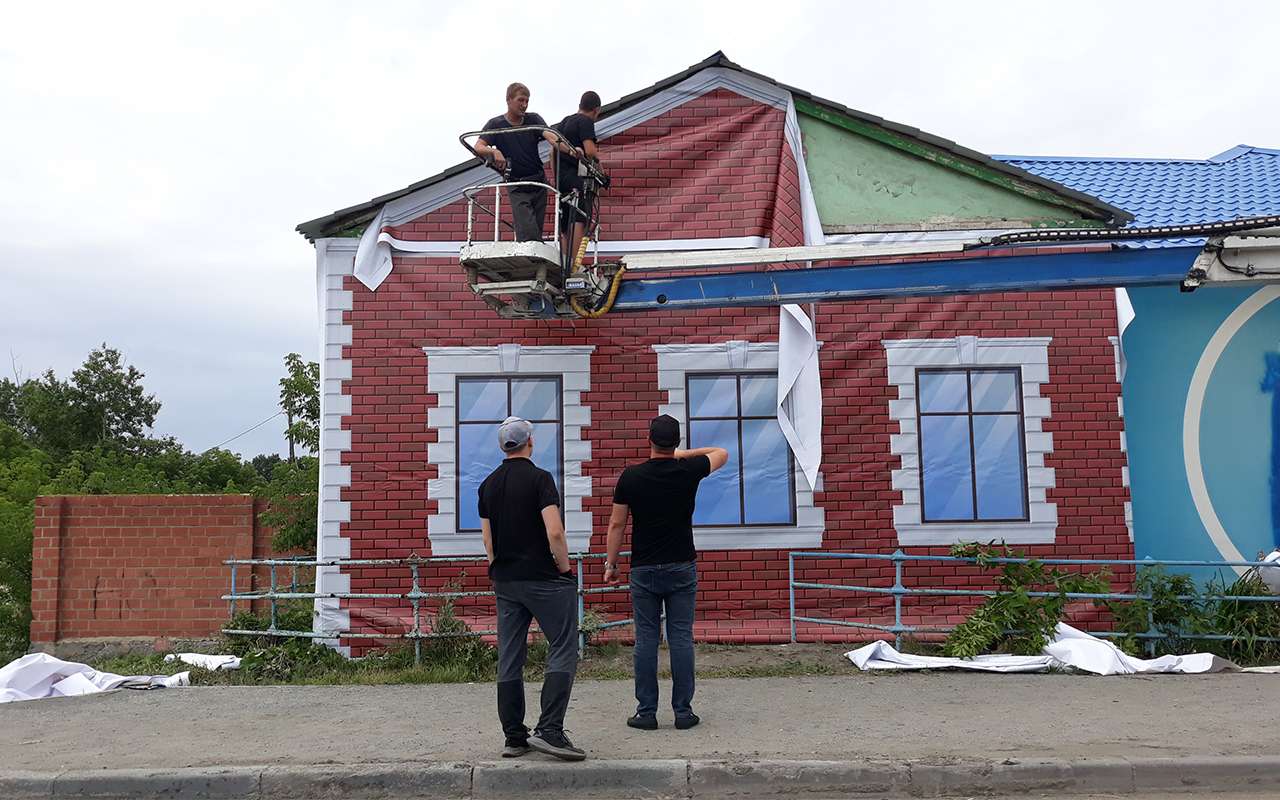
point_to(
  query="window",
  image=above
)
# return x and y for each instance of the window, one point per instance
(475, 388)
(483, 403)
(739, 413)
(971, 445)
(971, 440)
(725, 394)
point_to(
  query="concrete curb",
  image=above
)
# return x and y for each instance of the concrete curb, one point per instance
(666, 779)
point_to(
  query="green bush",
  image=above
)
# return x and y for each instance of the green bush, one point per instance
(1012, 620)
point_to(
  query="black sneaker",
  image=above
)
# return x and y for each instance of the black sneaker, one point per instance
(515, 748)
(556, 744)
(644, 722)
(686, 721)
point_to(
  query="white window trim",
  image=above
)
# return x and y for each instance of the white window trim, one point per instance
(1029, 353)
(674, 361)
(1124, 443)
(444, 365)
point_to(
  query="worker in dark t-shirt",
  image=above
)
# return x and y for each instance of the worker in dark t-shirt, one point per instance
(659, 496)
(519, 150)
(575, 210)
(533, 579)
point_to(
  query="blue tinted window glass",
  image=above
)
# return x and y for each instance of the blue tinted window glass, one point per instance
(718, 500)
(759, 396)
(994, 391)
(766, 467)
(546, 449)
(997, 447)
(943, 392)
(482, 400)
(535, 399)
(478, 455)
(713, 396)
(948, 477)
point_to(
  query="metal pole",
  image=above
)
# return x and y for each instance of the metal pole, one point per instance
(497, 209)
(417, 617)
(271, 595)
(897, 597)
(233, 591)
(471, 206)
(791, 587)
(582, 638)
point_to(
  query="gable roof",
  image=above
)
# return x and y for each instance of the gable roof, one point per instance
(363, 212)
(1241, 182)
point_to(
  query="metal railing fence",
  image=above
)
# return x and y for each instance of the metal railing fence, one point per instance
(275, 593)
(898, 591)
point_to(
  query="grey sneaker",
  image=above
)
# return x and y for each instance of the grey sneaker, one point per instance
(515, 749)
(556, 744)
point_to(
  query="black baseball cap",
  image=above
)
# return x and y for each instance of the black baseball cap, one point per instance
(664, 431)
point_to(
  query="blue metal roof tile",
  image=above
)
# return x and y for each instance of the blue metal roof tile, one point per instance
(1240, 182)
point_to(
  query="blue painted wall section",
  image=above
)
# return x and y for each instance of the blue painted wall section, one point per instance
(1238, 427)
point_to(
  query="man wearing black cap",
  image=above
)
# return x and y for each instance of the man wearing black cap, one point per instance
(533, 579)
(659, 495)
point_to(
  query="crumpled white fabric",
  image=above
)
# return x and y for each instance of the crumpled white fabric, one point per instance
(800, 390)
(40, 675)
(208, 662)
(1070, 649)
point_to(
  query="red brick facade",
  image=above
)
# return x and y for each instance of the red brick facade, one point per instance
(740, 181)
(138, 566)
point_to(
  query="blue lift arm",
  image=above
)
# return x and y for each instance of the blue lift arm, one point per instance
(1123, 267)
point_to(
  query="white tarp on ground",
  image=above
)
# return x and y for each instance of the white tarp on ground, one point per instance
(41, 675)
(211, 663)
(1070, 649)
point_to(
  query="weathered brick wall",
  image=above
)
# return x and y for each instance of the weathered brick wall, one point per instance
(138, 566)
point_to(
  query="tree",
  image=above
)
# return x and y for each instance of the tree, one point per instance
(300, 399)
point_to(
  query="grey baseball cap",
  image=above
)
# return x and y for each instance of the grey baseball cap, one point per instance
(514, 433)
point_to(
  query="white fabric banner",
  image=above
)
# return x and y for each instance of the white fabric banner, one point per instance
(373, 256)
(39, 675)
(212, 663)
(800, 390)
(1124, 316)
(1070, 649)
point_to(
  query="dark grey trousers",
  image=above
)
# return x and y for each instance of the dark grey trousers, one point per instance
(528, 210)
(554, 604)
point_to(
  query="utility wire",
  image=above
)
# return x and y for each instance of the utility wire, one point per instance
(243, 432)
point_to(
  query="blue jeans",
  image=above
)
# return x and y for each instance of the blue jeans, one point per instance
(675, 588)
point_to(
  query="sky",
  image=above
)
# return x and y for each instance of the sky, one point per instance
(156, 157)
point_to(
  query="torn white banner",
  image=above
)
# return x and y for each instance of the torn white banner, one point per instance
(212, 663)
(373, 255)
(1124, 316)
(800, 390)
(1070, 649)
(39, 675)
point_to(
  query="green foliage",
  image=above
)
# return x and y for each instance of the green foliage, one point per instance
(292, 504)
(1012, 620)
(1171, 606)
(1245, 621)
(300, 399)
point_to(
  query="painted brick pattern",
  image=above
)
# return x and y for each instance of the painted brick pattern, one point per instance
(714, 166)
(743, 593)
(138, 565)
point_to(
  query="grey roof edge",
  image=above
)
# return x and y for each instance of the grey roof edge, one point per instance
(363, 212)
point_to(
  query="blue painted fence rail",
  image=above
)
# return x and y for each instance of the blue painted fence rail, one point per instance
(898, 590)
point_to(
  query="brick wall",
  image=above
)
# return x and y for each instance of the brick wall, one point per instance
(137, 566)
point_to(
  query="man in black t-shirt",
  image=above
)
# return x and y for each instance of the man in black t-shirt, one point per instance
(575, 209)
(520, 152)
(659, 496)
(529, 565)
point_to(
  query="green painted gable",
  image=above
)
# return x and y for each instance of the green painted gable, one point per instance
(866, 178)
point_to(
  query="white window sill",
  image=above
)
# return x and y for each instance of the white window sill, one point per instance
(471, 543)
(785, 537)
(950, 533)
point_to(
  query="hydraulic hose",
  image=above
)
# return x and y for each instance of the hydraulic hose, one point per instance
(614, 285)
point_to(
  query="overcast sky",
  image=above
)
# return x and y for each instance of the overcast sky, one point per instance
(155, 158)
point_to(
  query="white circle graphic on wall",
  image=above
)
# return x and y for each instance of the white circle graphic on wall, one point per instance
(1191, 420)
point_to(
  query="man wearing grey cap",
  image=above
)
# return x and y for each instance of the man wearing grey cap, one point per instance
(659, 496)
(533, 579)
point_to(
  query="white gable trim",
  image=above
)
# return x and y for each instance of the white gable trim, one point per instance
(444, 365)
(334, 258)
(1029, 353)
